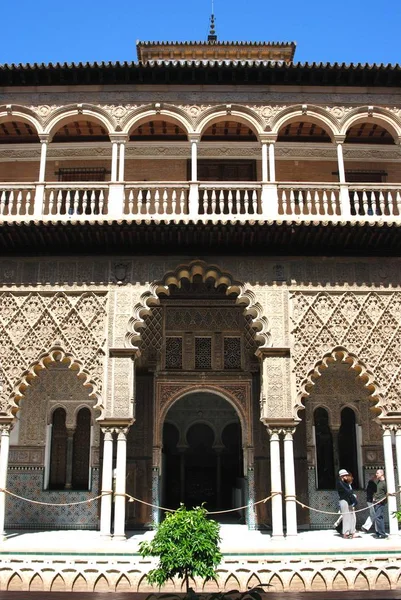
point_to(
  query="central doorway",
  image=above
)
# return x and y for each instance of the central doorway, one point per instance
(203, 456)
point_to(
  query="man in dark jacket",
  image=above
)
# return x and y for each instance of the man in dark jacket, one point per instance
(347, 501)
(380, 501)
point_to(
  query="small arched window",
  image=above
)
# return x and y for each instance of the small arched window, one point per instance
(81, 451)
(324, 450)
(58, 458)
(347, 444)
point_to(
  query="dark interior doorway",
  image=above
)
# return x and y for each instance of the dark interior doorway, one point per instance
(202, 460)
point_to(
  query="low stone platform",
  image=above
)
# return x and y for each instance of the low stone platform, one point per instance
(78, 561)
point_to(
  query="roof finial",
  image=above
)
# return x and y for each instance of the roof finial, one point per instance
(212, 37)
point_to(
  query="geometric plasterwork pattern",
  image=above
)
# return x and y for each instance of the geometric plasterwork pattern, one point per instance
(365, 325)
(191, 318)
(31, 324)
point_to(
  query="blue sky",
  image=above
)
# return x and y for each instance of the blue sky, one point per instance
(73, 30)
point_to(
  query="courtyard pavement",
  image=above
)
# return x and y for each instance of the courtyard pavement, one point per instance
(236, 540)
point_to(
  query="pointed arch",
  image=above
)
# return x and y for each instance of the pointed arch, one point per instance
(206, 272)
(340, 353)
(54, 355)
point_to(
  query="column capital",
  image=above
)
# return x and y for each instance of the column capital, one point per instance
(6, 427)
(44, 138)
(194, 137)
(268, 138)
(107, 432)
(339, 139)
(120, 138)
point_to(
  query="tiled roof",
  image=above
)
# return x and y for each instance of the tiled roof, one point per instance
(211, 72)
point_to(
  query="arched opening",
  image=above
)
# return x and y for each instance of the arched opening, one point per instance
(81, 450)
(87, 134)
(366, 192)
(347, 444)
(303, 134)
(58, 451)
(324, 450)
(224, 169)
(202, 454)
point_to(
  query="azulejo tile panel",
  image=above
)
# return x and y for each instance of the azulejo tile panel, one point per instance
(28, 483)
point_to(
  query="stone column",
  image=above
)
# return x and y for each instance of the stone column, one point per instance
(276, 490)
(289, 475)
(272, 163)
(70, 448)
(107, 484)
(340, 160)
(265, 169)
(398, 455)
(182, 474)
(114, 159)
(43, 152)
(121, 161)
(120, 498)
(5, 429)
(194, 158)
(218, 477)
(390, 479)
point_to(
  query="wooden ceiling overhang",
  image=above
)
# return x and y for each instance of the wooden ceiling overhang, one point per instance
(212, 72)
(164, 237)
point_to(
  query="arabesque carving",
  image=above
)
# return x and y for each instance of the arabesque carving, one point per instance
(38, 327)
(362, 329)
(207, 272)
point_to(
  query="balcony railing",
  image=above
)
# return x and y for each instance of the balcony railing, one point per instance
(211, 201)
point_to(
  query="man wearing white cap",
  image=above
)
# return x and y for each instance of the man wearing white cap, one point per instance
(347, 501)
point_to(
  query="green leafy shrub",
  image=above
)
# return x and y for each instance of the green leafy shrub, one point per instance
(187, 544)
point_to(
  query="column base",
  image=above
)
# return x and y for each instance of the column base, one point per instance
(105, 536)
(119, 538)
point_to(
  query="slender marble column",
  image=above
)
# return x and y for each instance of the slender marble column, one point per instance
(289, 470)
(265, 177)
(340, 160)
(120, 499)
(121, 162)
(276, 490)
(43, 153)
(114, 158)
(194, 159)
(107, 484)
(398, 455)
(5, 429)
(272, 163)
(390, 479)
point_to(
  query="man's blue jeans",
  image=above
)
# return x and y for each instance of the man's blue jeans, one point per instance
(379, 519)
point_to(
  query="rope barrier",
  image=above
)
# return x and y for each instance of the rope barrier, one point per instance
(88, 501)
(163, 508)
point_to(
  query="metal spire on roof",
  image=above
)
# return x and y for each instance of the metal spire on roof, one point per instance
(212, 37)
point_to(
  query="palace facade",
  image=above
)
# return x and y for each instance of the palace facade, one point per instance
(200, 287)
